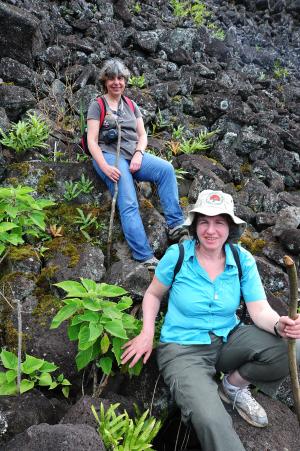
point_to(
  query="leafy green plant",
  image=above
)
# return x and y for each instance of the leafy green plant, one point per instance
(177, 132)
(72, 190)
(121, 433)
(180, 173)
(100, 325)
(81, 157)
(180, 9)
(217, 32)
(85, 184)
(138, 81)
(20, 215)
(30, 133)
(199, 12)
(280, 72)
(85, 222)
(36, 371)
(137, 8)
(199, 143)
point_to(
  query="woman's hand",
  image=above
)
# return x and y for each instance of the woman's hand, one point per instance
(139, 346)
(136, 162)
(112, 172)
(289, 328)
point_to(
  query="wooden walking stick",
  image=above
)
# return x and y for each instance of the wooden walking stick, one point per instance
(292, 273)
(114, 199)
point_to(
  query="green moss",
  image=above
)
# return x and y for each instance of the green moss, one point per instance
(177, 99)
(255, 246)
(22, 253)
(46, 275)
(184, 201)
(71, 251)
(48, 305)
(13, 181)
(46, 181)
(246, 168)
(21, 168)
(11, 337)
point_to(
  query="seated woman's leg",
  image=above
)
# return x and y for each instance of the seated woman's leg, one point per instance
(127, 203)
(161, 172)
(260, 357)
(190, 378)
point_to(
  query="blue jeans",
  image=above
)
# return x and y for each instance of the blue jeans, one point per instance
(153, 169)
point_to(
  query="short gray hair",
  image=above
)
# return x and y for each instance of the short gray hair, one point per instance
(113, 68)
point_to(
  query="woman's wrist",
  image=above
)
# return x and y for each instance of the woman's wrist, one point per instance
(140, 151)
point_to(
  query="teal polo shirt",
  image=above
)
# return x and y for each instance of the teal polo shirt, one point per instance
(197, 305)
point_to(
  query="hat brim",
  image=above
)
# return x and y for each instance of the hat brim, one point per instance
(216, 211)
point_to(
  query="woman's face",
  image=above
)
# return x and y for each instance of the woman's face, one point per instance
(115, 86)
(212, 231)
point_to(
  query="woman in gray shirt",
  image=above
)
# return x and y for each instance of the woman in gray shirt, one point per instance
(134, 163)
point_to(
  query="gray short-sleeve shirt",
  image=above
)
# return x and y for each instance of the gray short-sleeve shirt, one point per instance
(127, 119)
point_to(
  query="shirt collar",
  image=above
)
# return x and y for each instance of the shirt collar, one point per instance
(189, 251)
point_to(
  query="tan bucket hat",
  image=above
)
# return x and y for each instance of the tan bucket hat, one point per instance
(213, 203)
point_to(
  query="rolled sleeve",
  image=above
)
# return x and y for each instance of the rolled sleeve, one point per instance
(165, 268)
(251, 284)
(94, 111)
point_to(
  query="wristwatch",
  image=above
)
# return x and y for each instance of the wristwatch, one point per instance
(276, 329)
(140, 150)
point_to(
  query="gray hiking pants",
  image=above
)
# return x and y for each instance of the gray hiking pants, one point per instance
(189, 371)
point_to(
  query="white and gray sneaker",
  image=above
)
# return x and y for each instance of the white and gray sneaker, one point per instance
(178, 234)
(242, 400)
(151, 263)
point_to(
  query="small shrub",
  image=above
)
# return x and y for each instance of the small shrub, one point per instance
(28, 134)
(20, 215)
(36, 371)
(137, 81)
(280, 72)
(199, 143)
(100, 325)
(121, 433)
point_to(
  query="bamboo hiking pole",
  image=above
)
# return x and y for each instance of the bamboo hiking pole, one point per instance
(292, 273)
(114, 199)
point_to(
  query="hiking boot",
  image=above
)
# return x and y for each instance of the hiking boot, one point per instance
(178, 234)
(151, 263)
(245, 404)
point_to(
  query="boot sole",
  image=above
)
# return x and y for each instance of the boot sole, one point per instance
(240, 411)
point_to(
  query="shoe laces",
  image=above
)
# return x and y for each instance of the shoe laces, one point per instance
(246, 395)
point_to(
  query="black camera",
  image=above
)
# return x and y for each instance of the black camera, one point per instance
(110, 136)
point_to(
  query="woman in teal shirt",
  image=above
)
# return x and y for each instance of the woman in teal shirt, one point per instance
(199, 336)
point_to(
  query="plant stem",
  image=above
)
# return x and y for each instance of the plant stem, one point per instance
(18, 302)
(292, 273)
(114, 200)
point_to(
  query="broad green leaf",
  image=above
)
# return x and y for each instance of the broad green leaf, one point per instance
(38, 218)
(66, 391)
(117, 344)
(31, 364)
(83, 358)
(65, 382)
(112, 313)
(135, 371)
(43, 203)
(45, 379)
(115, 328)
(26, 385)
(2, 248)
(53, 385)
(63, 314)
(89, 284)
(109, 291)
(5, 226)
(73, 332)
(72, 288)
(84, 334)
(12, 211)
(94, 305)
(124, 303)
(104, 344)
(15, 239)
(90, 316)
(95, 330)
(48, 367)
(105, 364)
(130, 322)
(9, 360)
(85, 345)
(8, 389)
(11, 375)
(3, 377)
